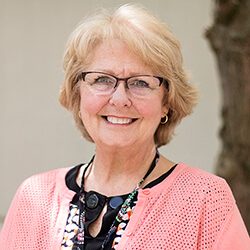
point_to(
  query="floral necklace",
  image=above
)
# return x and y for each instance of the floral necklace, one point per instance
(79, 238)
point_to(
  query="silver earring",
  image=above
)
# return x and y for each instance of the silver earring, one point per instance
(164, 119)
(79, 114)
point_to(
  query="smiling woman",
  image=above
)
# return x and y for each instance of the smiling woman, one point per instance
(127, 90)
(137, 109)
(148, 41)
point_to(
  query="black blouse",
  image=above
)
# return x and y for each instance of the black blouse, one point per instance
(93, 212)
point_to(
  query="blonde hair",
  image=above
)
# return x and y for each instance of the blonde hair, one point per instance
(148, 38)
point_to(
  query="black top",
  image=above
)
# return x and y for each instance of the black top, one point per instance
(93, 210)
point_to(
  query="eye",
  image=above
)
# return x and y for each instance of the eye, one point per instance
(139, 84)
(103, 79)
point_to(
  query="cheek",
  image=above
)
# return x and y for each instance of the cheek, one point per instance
(87, 105)
(90, 104)
(151, 110)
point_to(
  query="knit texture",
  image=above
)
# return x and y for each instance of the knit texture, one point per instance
(191, 209)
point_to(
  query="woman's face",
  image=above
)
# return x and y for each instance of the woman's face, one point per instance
(120, 119)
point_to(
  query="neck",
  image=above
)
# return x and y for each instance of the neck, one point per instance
(117, 171)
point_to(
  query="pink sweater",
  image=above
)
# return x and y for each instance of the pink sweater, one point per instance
(189, 210)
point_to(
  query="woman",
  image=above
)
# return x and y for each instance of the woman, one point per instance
(127, 90)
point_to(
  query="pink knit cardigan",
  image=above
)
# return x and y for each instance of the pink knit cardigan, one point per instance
(189, 210)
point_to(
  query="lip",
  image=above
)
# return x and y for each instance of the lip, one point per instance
(118, 120)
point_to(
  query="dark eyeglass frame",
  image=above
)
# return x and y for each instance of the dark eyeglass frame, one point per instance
(162, 80)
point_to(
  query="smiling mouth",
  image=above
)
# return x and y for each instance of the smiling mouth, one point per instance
(117, 120)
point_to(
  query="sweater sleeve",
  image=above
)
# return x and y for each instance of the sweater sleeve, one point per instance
(32, 217)
(13, 218)
(234, 235)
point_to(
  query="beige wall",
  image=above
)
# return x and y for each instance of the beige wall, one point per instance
(37, 134)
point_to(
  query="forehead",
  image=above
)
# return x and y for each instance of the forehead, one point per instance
(114, 56)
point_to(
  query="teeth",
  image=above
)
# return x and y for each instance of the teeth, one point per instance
(116, 120)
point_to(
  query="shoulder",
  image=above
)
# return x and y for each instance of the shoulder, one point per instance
(209, 193)
(218, 209)
(193, 187)
(190, 186)
(44, 178)
(42, 184)
(201, 180)
(36, 206)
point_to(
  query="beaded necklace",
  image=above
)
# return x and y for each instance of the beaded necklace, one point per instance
(79, 238)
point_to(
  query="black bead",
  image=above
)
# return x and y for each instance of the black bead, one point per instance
(92, 201)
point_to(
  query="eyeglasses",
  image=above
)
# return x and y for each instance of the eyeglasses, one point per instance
(106, 84)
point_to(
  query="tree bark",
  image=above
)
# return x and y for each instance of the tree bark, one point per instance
(229, 37)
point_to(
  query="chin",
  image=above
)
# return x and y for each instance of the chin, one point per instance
(116, 143)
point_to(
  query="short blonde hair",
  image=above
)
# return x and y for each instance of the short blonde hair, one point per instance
(148, 38)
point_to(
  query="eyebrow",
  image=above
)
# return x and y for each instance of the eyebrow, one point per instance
(111, 72)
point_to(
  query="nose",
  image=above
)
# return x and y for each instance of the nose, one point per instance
(120, 96)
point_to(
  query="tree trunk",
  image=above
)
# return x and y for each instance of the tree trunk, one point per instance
(229, 38)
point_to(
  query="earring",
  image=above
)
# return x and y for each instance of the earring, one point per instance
(164, 119)
(79, 114)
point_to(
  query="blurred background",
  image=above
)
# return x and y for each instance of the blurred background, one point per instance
(37, 134)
